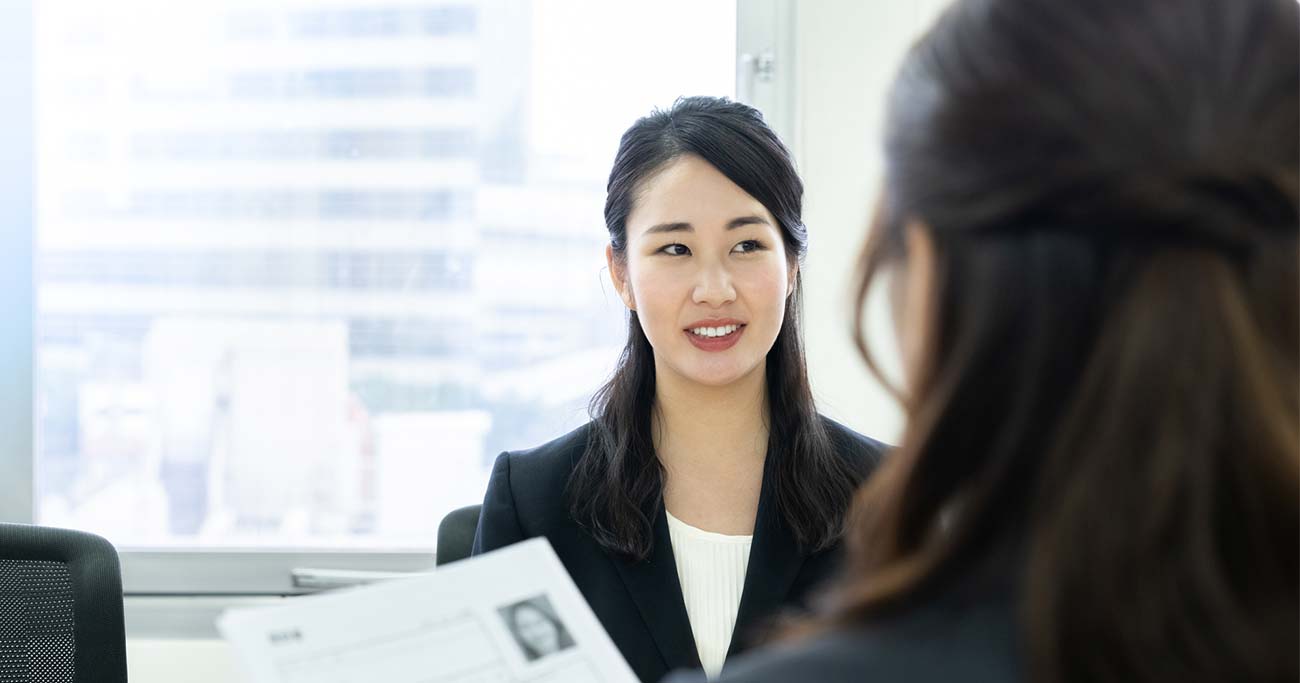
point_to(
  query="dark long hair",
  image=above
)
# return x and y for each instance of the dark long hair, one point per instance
(617, 484)
(1109, 390)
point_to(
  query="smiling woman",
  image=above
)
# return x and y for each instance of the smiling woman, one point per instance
(705, 450)
(718, 280)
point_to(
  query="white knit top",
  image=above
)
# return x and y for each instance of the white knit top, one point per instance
(711, 568)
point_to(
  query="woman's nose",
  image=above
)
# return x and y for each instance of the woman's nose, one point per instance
(713, 286)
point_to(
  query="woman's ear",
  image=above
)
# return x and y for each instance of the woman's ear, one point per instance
(792, 280)
(618, 275)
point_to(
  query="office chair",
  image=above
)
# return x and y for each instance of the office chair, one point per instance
(456, 534)
(60, 607)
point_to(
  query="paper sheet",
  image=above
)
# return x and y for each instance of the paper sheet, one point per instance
(509, 615)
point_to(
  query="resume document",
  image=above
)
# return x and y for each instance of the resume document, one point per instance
(509, 615)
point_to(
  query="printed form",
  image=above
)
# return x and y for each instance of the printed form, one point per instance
(509, 615)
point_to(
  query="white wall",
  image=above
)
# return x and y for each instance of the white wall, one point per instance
(847, 51)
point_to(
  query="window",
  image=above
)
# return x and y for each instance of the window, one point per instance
(302, 269)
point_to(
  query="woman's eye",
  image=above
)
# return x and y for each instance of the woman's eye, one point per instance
(675, 249)
(748, 246)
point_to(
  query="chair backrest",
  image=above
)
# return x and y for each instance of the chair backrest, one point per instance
(60, 607)
(456, 534)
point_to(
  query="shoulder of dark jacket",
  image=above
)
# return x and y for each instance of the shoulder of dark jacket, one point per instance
(555, 457)
(539, 477)
(961, 635)
(862, 451)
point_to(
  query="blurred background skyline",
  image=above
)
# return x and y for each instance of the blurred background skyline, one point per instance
(304, 268)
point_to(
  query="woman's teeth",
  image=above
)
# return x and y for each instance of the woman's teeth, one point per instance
(714, 331)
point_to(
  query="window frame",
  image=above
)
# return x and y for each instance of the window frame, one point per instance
(17, 282)
(175, 593)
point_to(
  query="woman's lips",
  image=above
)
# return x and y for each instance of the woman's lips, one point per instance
(720, 343)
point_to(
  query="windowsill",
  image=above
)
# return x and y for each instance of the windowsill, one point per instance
(182, 617)
(191, 660)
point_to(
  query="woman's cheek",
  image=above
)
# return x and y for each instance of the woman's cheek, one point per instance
(654, 293)
(767, 287)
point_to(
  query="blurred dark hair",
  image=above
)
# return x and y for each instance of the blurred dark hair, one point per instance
(617, 483)
(1109, 388)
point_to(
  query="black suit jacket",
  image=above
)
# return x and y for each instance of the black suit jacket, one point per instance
(640, 604)
(967, 633)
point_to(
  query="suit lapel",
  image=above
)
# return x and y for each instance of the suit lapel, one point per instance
(655, 589)
(774, 564)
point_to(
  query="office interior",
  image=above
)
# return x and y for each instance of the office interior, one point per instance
(227, 221)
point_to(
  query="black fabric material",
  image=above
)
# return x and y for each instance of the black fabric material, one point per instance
(70, 583)
(456, 534)
(36, 638)
(968, 635)
(967, 630)
(640, 604)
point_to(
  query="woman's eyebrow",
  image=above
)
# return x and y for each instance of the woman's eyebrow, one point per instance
(687, 227)
(669, 227)
(746, 220)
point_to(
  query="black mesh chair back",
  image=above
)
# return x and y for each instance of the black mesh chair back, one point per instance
(60, 607)
(456, 534)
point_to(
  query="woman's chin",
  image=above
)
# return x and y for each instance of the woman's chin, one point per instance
(712, 370)
(717, 376)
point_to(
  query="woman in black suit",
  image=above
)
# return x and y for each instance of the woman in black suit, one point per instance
(706, 494)
(1092, 209)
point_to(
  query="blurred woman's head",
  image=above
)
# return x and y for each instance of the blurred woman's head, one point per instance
(1090, 213)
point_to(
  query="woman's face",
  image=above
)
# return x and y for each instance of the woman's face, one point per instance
(706, 272)
(536, 630)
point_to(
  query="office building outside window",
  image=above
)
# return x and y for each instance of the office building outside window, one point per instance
(304, 268)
